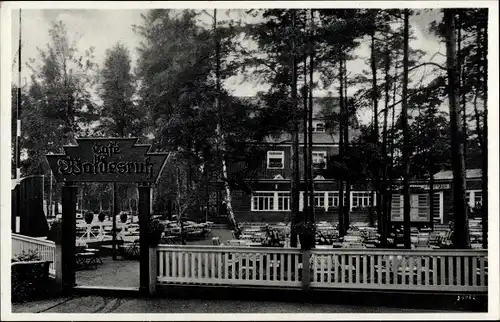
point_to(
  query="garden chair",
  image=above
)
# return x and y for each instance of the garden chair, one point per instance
(216, 241)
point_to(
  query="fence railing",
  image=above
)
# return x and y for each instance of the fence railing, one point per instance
(217, 265)
(431, 270)
(44, 248)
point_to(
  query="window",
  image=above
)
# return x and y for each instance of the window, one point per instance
(437, 215)
(319, 159)
(263, 201)
(333, 199)
(478, 198)
(283, 200)
(473, 197)
(319, 199)
(319, 127)
(423, 206)
(397, 207)
(275, 159)
(362, 199)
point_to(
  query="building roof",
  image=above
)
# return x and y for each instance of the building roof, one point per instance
(320, 104)
(448, 174)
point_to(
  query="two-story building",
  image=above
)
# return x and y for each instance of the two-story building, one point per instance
(270, 197)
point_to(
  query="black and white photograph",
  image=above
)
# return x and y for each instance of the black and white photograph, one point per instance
(221, 160)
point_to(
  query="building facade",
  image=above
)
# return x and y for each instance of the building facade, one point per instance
(270, 197)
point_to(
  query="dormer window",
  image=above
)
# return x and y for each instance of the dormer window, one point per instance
(319, 159)
(275, 159)
(320, 127)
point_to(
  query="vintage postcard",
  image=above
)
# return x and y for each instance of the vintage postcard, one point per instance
(218, 160)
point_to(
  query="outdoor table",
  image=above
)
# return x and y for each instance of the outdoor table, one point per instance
(131, 248)
(254, 244)
(324, 246)
(96, 252)
(87, 259)
(252, 230)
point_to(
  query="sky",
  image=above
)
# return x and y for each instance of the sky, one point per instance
(103, 28)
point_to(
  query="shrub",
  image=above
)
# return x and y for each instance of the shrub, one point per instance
(89, 217)
(155, 231)
(55, 232)
(273, 238)
(123, 217)
(101, 216)
(29, 256)
(307, 234)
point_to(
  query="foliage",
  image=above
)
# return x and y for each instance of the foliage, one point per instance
(89, 217)
(31, 255)
(101, 216)
(155, 231)
(120, 115)
(123, 217)
(273, 238)
(55, 232)
(305, 228)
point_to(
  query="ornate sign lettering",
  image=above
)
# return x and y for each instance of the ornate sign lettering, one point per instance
(107, 160)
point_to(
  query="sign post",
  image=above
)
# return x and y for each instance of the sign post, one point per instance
(105, 160)
(144, 214)
(68, 234)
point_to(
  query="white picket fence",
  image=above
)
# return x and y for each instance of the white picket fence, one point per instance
(45, 248)
(218, 265)
(425, 270)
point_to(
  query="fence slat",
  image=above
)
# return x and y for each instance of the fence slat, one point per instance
(342, 268)
(482, 271)
(466, 271)
(434, 271)
(419, 271)
(427, 268)
(357, 268)
(174, 264)
(474, 270)
(161, 255)
(167, 263)
(450, 271)
(282, 267)
(443, 270)
(329, 268)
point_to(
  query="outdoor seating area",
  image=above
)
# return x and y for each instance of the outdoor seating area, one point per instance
(87, 257)
(359, 235)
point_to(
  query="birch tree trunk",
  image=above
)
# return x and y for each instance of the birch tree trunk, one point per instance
(220, 133)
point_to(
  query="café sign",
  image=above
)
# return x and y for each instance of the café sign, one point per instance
(107, 160)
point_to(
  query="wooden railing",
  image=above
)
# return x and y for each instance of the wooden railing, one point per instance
(436, 270)
(44, 248)
(423, 270)
(217, 265)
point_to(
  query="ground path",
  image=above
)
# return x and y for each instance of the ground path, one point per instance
(100, 304)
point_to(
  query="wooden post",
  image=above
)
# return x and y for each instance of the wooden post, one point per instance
(58, 266)
(68, 234)
(114, 214)
(306, 273)
(144, 213)
(152, 271)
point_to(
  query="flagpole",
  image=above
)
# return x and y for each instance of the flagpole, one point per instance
(18, 110)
